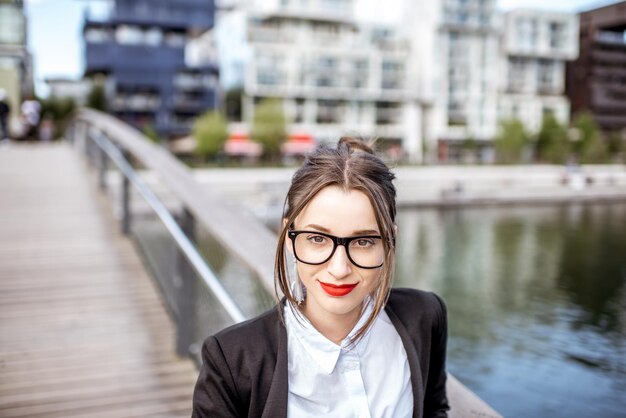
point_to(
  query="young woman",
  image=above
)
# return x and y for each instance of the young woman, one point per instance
(341, 343)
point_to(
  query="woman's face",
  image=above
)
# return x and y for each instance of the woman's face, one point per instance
(336, 289)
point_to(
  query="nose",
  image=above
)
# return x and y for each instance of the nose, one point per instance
(339, 265)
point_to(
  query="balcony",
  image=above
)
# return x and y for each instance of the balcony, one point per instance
(611, 38)
(136, 103)
(609, 58)
(316, 10)
(610, 122)
(107, 56)
(388, 116)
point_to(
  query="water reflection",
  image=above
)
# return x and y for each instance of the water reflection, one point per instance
(536, 299)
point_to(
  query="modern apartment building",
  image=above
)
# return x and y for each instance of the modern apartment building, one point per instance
(536, 46)
(448, 71)
(16, 78)
(467, 57)
(334, 77)
(140, 50)
(596, 81)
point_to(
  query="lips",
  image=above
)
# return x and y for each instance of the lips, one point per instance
(337, 290)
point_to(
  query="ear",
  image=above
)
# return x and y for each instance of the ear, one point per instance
(288, 242)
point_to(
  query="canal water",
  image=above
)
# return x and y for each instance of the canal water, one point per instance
(536, 299)
(536, 302)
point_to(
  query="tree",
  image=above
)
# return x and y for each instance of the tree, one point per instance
(96, 99)
(552, 141)
(151, 133)
(616, 144)
(58, 109)
(589, 146)
(269, 127)
(511, 141)
(211, 132)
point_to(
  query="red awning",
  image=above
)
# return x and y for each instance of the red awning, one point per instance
(238, 144)
(298, 144)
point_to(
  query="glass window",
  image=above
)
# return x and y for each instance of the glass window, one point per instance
(175, 39)
(153, 36)
(96, 35)
(329, 111)
(11, 26)
(129, 35)
(545, 76)
(557, 32)
(516, 74)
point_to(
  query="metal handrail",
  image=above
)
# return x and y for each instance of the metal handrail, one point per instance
(187, 248)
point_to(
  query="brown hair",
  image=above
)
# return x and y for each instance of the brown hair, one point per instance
(352, 165)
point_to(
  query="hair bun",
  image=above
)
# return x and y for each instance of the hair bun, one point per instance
(352, 144)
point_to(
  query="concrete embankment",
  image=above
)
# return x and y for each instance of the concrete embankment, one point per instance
(263, 190)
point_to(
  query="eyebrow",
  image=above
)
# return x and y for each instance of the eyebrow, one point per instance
(358, 232)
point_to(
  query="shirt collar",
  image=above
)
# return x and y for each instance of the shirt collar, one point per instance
(323, 351)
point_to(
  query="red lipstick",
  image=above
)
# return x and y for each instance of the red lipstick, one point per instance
(338, 290)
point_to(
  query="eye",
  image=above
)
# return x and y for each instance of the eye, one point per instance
(363, 242)
(317, 239)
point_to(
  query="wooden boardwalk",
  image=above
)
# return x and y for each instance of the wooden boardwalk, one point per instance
(83, 331)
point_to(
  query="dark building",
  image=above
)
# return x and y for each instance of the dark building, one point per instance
(596, 81)
(140, 51)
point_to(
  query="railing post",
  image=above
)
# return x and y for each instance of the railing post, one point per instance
(80, 136)
(185, 296)
(103, 169)
(126, 214)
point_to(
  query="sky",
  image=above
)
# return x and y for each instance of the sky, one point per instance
(55, 39)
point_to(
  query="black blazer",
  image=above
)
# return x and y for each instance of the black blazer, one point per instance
(244, 371)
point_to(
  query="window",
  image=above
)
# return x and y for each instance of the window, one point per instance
(96, 35)
(516, 74)
(526, 33)
(545, 76)
(329, 111)
(153, 36)
(392, 74)
(175, 39)
(388, 113)
(557, 32)
(129, 35)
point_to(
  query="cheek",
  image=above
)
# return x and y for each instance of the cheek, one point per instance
(374, 280)
(307, 272)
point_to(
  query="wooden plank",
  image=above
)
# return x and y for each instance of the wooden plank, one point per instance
(83, 328)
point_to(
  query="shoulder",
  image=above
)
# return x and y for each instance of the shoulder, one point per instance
(256, 336)
(417, 305)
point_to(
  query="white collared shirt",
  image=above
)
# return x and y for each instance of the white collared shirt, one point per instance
(371, 379)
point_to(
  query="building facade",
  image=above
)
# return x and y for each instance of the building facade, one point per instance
(63, 88)
(334, 77)
(449, 71)
(536, 46)
(16, 77)
(140, 51)
(596, 81)
(467, 53)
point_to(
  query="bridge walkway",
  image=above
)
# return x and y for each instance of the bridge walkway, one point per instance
(83, 331)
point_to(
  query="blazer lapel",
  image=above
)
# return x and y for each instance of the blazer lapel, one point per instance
(414, 364)
(276, 405)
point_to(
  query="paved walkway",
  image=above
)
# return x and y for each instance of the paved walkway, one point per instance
(83, 332)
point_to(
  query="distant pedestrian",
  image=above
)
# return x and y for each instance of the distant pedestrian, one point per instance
(5, 110)
(30, 117)
(46, 130)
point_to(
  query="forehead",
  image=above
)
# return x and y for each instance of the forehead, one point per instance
(341, 212)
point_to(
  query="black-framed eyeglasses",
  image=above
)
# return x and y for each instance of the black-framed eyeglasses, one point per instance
(313, 247)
